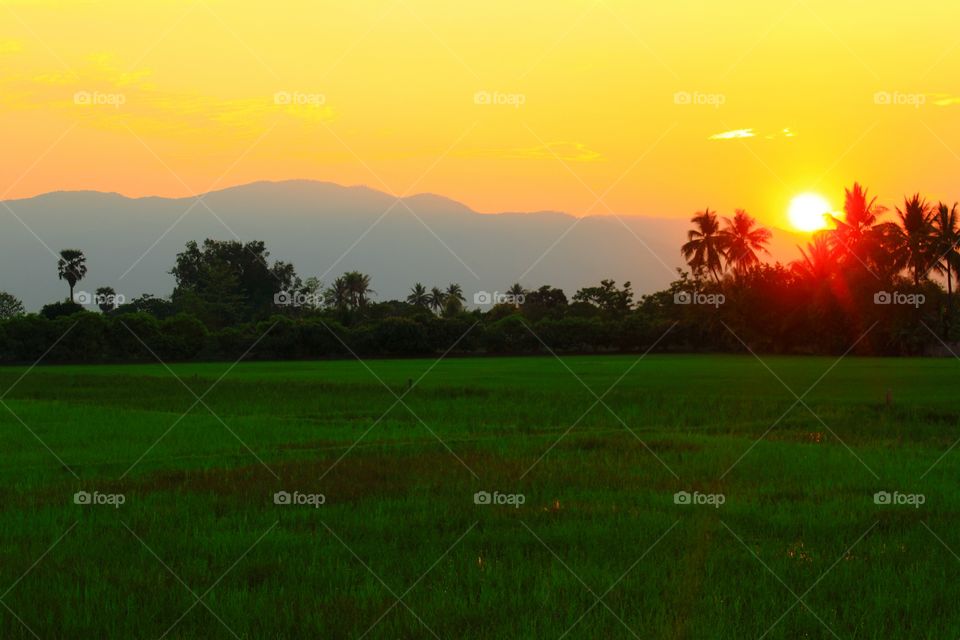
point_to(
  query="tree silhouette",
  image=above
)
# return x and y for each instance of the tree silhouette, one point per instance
(436, 299)
(455, 291)
(910, 242)
(607, 296)
(358, 288)
(210, 273)
(338, 294)
(857, 238)
(946, 236)
(106, 299)
(744, 240)
(10, 306)
(705, 244)
(546, 298)
(517, 294)
(418, 296)
(72, 267)
(312, 291)
(818, 260)
(453, 300)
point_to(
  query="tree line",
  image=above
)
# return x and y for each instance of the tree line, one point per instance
(864, 284)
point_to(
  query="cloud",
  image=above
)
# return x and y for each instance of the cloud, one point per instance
(736, 134)
(944, 99)
(106, 95)
(731, 135)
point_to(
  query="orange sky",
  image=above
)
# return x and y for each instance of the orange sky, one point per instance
(584, 106)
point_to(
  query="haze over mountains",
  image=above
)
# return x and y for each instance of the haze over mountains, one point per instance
(325, 229)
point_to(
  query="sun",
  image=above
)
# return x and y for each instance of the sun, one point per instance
(808, 212)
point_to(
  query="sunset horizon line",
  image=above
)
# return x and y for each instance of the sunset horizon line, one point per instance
(365, 186)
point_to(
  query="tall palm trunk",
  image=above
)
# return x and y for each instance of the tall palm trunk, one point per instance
(949, 315)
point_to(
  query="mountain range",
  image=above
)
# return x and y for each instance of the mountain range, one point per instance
(325, 229)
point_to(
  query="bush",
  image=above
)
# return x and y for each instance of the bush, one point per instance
(126, 332)
(181, 337)
(83, 338)
(401, 336)
(574, 334)
(318, 338)
(28, 337)
(510, 335)
(229, 343)
(444, 333)
(278, 338)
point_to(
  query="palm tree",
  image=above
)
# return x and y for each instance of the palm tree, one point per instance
(946, 236)
(106, 299)
(338, 295)
(517, 294)
(358, 288)
(72, 267)
(818, 261)
(436, 299)
(911, 241)
(857, 236)
(418, 296)
(744, 241)
(860, 213)
(453, 300)
(705, 244)
(455, 292)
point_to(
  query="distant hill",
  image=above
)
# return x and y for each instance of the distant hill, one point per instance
(324, 228)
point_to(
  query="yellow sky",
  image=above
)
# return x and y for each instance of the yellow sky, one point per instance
(585, 106)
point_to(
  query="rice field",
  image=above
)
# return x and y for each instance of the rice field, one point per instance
(590, 496)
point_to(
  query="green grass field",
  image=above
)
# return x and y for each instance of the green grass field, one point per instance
(597, 549)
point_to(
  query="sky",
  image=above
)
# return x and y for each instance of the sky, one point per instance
(584, 106)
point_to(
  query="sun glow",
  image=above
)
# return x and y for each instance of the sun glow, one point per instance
(808, 212)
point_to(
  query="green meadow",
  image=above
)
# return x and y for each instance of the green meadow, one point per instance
(339, 499)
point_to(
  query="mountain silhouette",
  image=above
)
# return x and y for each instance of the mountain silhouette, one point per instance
(325, 229)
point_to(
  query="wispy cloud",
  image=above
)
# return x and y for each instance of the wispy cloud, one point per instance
(944, 99)
(105, 95)
(731, 135)
(736, 134)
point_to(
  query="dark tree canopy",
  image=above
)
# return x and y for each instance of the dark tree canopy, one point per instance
(10, 306)
(230, 280)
